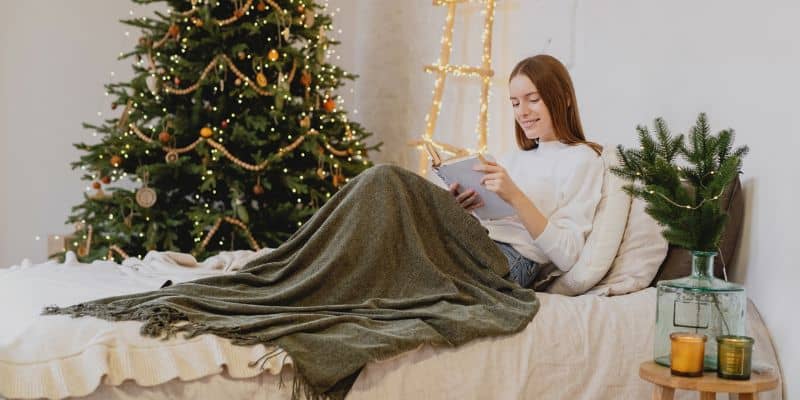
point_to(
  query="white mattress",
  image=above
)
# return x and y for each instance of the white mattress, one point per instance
(584, 347)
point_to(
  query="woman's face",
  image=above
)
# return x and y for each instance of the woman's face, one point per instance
(529, 109)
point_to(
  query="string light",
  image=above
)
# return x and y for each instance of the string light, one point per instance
(442, 68)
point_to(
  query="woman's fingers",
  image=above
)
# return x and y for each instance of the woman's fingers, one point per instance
(492, 177)
(454, 189)
(463, 197)
(474, 206)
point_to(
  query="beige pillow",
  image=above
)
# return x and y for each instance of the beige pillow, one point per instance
(640, 255)
(603, 241)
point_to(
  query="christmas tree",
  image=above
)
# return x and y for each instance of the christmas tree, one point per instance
(229, 136)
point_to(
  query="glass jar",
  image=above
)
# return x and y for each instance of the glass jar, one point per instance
(699, 303)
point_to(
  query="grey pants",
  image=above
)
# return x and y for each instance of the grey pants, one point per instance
(521, 270)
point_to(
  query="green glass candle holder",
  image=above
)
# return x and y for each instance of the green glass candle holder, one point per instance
(734, 357)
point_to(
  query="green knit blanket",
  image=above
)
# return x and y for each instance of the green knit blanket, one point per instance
(388, 263)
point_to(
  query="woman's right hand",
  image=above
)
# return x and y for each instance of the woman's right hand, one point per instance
(469, 199)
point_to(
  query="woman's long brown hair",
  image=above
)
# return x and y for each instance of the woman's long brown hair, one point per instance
(554, 85)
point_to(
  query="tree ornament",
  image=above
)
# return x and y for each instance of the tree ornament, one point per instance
(176, 81)
(305, 122)
(321, 173)
(105, 179)
(258, 190)
(114, 106)
(310, 18)
(237, 82)
(241, 55)
(116, 161)
(206, 132)
(329, 105)
(152, 83)
(146, 197)
(164, 137)
(96, 185)
(261, 6)
(261, 79)
(197, 22)
(305, 78)
(173, 30)
(286, 33)
(224, 124)
(301, 8)
(171, 157)
(273, 55)
(338, 180)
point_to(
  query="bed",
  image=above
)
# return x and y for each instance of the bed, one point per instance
(593, 329)
(583, 347)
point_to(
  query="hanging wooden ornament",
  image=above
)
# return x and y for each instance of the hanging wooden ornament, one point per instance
(330, 105)
(258, 190)
(338, 180)
(146, 197)
(305, 122)
(164, 137)
(321, 168)
(305, 78)
(173, 30)
(152, 83)
(261, 79)
(309, 18)
(171, 157)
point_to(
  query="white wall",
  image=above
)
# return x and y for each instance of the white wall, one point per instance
(54, 59)
(631, 60)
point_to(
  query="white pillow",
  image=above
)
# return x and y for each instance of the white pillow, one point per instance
(640, 255)
(603, 241)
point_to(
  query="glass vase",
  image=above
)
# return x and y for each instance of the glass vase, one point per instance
(699, 303)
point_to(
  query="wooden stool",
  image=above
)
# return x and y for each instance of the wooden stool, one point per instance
(708, 385)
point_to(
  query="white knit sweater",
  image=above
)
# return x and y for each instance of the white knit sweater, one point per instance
(564, 183)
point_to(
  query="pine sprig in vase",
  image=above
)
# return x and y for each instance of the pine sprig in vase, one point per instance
(682, 184)
(683, 197)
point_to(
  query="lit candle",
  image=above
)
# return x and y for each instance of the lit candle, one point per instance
(686, 356)
(734, 357)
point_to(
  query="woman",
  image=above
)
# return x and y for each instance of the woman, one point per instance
(559, 174)
(391, 262)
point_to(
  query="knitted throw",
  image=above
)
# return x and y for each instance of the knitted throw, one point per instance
(388, 263)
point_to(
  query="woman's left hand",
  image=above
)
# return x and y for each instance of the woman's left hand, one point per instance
(497, 180)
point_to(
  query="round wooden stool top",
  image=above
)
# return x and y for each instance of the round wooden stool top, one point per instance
(709, 382)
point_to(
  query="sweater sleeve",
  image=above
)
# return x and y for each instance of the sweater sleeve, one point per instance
(565, 234)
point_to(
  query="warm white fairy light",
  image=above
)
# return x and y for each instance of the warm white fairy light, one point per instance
(442, 68)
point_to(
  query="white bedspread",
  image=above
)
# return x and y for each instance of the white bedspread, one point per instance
(584, 347)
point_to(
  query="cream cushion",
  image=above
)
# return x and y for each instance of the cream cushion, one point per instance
(641, 253)
(604, 240)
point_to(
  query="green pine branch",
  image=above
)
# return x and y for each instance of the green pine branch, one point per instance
(684, 199)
